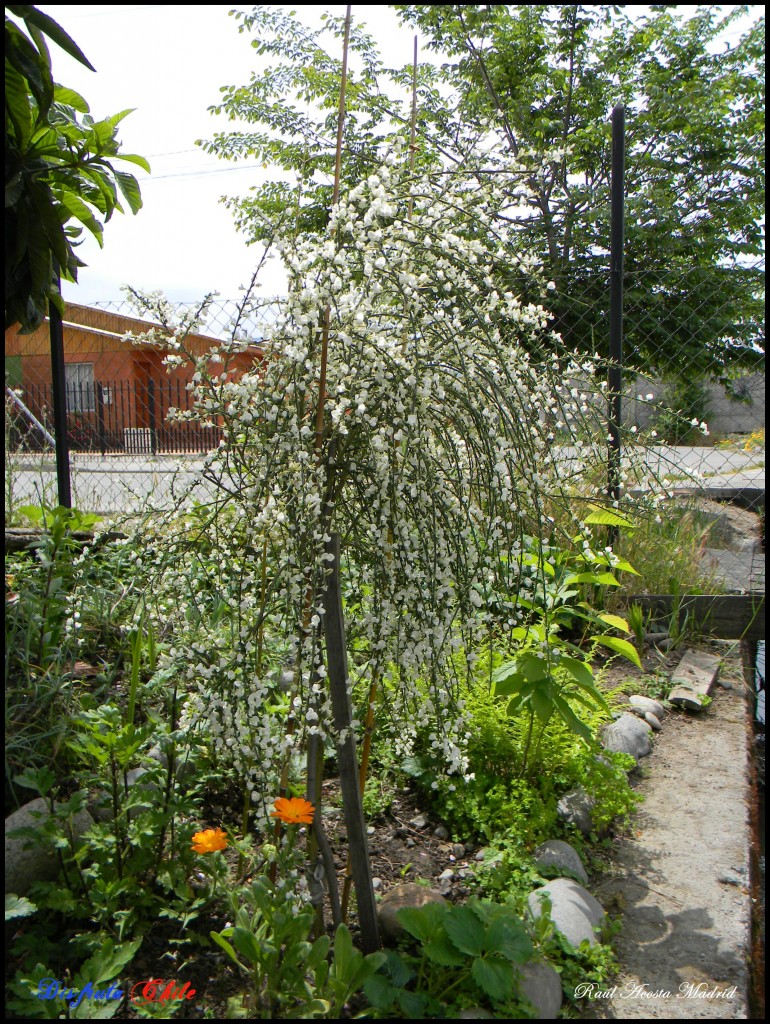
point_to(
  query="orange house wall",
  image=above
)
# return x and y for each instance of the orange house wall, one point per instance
(118, 365)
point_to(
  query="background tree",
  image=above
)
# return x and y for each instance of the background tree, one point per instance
(57, 169)
(538, 82)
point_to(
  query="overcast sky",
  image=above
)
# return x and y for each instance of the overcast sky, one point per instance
(169, 63)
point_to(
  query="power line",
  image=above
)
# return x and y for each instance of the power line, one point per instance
(200, 174)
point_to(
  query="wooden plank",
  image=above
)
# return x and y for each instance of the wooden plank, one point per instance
(694, 679)
(726, 616)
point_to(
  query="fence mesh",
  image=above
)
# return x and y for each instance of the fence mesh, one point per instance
(126, 451)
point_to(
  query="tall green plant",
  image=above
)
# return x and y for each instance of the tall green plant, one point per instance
(59, 177)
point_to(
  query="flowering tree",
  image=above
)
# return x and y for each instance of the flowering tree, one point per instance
(434, 460)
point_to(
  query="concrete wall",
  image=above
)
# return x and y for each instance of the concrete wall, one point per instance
(725, 414)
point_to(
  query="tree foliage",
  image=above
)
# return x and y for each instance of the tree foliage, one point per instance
(539, 81)
(59, 177)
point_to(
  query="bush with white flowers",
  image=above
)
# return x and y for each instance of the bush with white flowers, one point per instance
(435, 460)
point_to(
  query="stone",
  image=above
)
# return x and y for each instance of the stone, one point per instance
(183, 766)
(652, 721)
(575, 808)
(475, 1013)
(557, 854)
(376, 883)
(574, 911)
(407, 894)
(644, 704)
(25, 860)
(628, 735)
(442, 832)
(420, 821)
(541, 985)
(448, 873)
(458, 851)
(481, 856)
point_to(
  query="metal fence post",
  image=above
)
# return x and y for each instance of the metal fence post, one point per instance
(99, 401)
(615, 376)
(59, 390)
(151, 413)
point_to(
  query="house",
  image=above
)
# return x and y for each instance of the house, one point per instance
(118, 394)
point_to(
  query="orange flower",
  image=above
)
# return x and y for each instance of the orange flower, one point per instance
(209, 841)
(295, 811)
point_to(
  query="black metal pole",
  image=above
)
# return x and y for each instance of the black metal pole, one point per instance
(615, 380)
(99, 403)
(59, 389)
(151, 413)
(347, 758)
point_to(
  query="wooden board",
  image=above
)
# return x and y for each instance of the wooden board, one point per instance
(693, 680)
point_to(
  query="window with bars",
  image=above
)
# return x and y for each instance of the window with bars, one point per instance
(80, 387)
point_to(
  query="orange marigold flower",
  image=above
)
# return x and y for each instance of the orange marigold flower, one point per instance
(210, 840)
(294, 811)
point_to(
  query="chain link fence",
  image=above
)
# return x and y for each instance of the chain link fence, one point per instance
(126, 452)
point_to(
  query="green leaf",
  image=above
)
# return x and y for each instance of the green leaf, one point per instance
(132, 158)
(598, 579)
(441, 950)
(17, 106)
(608, 517)
(346, 955)
(77, 208)
(35, 17)
(571, 720)
(423, 922)
(129, 187)
(510, 685)
(494, 977)
(615, 643)
(508, 936)
(18, 906)
(70, 98)
(221, 941)
(624, 565)
(379, 992)
(577, 669)
(413, 1004)
(614, 620)
(465, 930)
(542, 704)
(105, 964)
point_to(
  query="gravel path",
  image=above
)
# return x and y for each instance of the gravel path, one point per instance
(681, 878)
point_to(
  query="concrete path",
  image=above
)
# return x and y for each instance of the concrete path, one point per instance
(131, 483)
(681, 877)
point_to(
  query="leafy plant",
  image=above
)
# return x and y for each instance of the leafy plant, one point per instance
(87, 996)
(638, 622)
(290, 975)
(58, 169)
(467, 955)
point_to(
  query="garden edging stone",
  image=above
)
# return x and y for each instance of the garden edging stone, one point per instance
(555, 853)
(574, 911)
(26, 861)
(541, 985)
(628, 735)
(408, 894)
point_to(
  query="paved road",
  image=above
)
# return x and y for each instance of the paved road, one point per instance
(129, 483)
